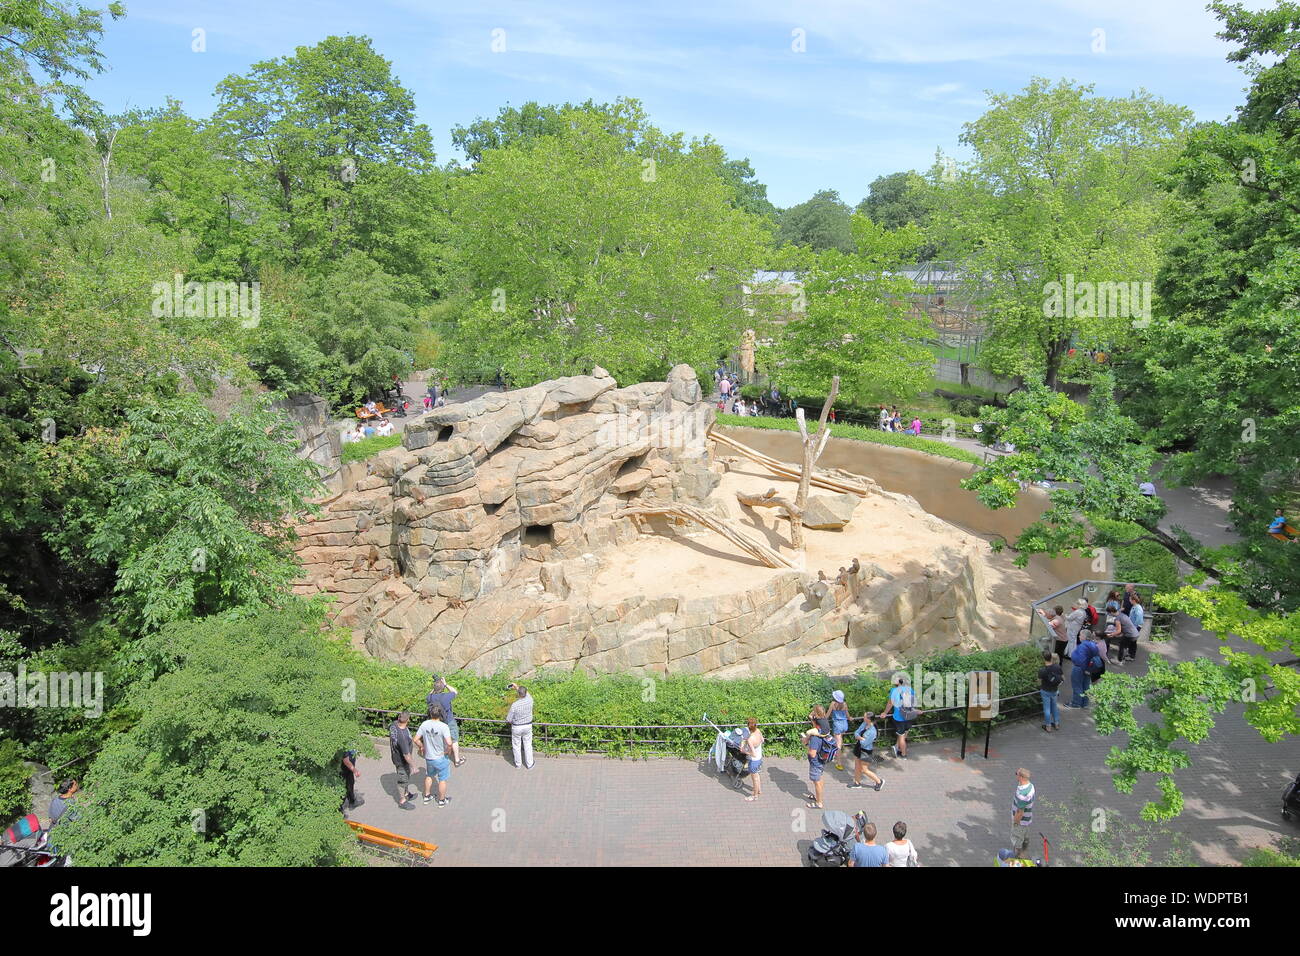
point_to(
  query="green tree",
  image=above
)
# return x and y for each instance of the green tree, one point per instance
(1063, 189)
(235, 758)
(196, 523)
(856, 324)
(820, 223)
(576, 250)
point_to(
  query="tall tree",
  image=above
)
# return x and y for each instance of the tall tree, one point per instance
(1061, 196)
(578, 250)
(819, 223)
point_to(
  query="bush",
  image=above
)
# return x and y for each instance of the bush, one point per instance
(873, 435)
(13, 782)
(369, 447)
(623, 700)
(1285, 853)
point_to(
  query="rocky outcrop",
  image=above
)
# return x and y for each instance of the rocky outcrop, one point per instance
(478, 545)
(317, 440)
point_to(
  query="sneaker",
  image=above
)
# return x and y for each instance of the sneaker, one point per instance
(880, 786)
(857, 786)
(894, 748)
(427, 800)
(406, 805)
(442, 803)
(839, 766)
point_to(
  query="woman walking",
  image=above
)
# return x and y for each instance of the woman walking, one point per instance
(864, 744)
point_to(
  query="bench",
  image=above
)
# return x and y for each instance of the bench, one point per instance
(392, 841)
(364, 413)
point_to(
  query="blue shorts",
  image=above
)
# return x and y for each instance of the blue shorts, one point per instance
(815, 769)
(455, 730)
(439, 768)
(755, 765)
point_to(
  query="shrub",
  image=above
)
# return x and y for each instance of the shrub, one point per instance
(13, 782)
(1145, 562)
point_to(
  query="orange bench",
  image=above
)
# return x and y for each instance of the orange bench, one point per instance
(364, 413)
(393, 841)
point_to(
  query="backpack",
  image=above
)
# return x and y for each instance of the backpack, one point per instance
(1096, 667)
(1092, 617)
(826, 750)
(1082, 654)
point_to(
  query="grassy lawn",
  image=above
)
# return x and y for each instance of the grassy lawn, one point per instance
(369, 447)
(857, 432)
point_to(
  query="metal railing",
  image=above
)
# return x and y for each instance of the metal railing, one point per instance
(1156, 625)
(782, 737)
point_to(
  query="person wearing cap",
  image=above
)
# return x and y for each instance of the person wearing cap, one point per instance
(1022, 812)
(903, 699)
(838, 714)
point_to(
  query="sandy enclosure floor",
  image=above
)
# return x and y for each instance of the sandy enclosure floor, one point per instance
(896, 535)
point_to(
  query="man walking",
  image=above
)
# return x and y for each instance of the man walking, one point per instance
(434, 740)
(1022, 812)
(350, 773)
(903, 699)
(520, 719)
(400, 747)
(443, 694)
(866, 852)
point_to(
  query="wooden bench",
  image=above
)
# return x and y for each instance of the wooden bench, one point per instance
(392, 841)
(364, 413)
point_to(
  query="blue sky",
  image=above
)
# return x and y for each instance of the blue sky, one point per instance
(876, 88)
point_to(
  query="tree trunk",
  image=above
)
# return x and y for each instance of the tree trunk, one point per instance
(813, 444)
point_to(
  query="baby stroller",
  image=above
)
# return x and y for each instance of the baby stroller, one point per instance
(726, 754)
(27, 844)
(1291, 798)
(835, 844)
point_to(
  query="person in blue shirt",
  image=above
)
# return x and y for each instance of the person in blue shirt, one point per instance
(865, 851)
(864, 743)
(902, 698)
(1278, 527)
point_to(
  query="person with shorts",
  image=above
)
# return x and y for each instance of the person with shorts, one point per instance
(816, 739)
(903, 699)
(443, 694)
(434, 740)
(864, 745)
(753, 746)
(839, 718)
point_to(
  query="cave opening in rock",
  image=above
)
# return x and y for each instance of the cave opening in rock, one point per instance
(536, 535)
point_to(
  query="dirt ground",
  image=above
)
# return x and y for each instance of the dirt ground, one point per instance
(897, 535)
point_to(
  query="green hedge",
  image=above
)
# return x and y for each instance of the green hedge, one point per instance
(369, 447)
(860, 433)
(572, 697)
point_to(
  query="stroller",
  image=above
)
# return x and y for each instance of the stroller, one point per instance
(835, 844)
(1009, 858)
(27, 844)
(726, 754)
(1291, 798)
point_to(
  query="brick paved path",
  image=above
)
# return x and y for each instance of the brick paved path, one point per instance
(605, 812)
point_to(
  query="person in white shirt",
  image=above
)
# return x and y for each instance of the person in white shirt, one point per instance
(520, 719)
(385, 427)
(900, 849)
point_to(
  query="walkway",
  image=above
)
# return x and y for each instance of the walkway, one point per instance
(590, 811)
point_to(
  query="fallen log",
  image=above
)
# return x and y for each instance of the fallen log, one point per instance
(770, 500)
(682, 512)
(786, 470)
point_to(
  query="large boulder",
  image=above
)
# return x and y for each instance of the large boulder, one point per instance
(683, 385)
(829, 512)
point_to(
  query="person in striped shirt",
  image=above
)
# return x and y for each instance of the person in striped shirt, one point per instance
(1022, 812)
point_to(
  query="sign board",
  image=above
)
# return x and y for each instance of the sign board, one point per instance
(981, 695)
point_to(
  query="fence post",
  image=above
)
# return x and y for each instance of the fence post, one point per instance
(965, 725)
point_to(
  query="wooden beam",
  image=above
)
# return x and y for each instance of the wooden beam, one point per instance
(747, 544)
